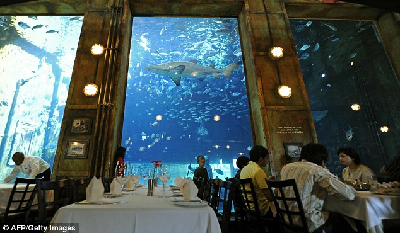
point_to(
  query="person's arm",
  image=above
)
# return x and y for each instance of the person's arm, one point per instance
(260, 177)
(12, 175)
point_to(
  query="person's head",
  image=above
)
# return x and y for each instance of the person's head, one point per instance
(314, 153)
(348, 155)
(18, 158)
(242, 161)
(121, 151)
(201, 160)
(259, 155)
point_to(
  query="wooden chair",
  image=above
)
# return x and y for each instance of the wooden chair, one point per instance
(252, 210)
(212, 192)
(226, 199)
(20, 201)
(238, 205)
(106, 183)
(80, 189)
(285, 195)
(47, 205)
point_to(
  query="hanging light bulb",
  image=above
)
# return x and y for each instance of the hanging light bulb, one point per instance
(355, 107)
(158, 117)
(97, 49)
(217, 118)
(276, 52)
(384, 129)
(285, 91)
(90, 89)
(228, 146)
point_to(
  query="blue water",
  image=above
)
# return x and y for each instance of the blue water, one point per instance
(187, 128)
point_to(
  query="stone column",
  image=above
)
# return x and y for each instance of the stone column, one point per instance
(109, 23)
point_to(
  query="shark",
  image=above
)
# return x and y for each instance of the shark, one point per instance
(178, 69)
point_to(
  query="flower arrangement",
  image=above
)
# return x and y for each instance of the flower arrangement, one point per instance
(157, 164)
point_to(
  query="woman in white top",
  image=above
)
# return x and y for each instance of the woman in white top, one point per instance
(355, 171)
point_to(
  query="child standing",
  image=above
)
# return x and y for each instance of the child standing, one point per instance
(200, 177)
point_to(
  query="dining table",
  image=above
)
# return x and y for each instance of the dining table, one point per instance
(135, 212)
(371, 208)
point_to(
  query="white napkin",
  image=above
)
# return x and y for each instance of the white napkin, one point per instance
(119, 179)
(189, 189)
(178, 181)
(115, 186)
(136, 179)
(130, 185)
(95, 190)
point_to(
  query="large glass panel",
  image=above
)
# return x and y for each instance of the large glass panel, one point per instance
(344, 66)
(36, 59)
(204, 113)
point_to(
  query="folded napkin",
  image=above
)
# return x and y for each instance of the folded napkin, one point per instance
(178, 181)
(95, 190)
(116, 186)
(130, 185)
(136, 179)
(189, 189)
(119, 179)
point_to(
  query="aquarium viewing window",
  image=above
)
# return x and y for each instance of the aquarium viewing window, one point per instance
(36, 55)
(186, 95)
(352, 88)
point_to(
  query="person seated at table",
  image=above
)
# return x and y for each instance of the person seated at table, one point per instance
(355, 171)
(241, 162)
(259, 157)
(392, 169)
(119, 160)
(34, 167)
(314, 183)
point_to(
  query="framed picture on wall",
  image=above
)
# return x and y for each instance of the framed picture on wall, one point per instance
(77, 149)
(81, 125)
(293, 149)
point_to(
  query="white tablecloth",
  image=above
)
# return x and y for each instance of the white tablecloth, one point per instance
(370, 208)
(140, 214)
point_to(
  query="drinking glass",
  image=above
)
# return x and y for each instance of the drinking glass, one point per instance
(146, 174)
(373, 182)
(164, 176)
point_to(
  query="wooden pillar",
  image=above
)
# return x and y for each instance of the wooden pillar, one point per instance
(275, 120)
(106, 22)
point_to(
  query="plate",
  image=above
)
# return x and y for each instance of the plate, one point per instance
(191, 203)
(111, 195)
(93, 203)
(382, 193)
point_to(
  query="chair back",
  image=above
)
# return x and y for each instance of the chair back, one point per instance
(20, 200)
(52, 195)
(107, 183)
(212, 193)
(226, 198)
(250, 197)
(286, 196)
(80, 189)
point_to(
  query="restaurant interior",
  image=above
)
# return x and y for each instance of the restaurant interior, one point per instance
(278, 73)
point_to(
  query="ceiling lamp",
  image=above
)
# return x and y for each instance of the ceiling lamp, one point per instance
(228, 146)
(285, 91)
(276, 52)
(158, 117)
(384, 129)
(217, 118)
(97, 49)
(90, 89)
(355, 107)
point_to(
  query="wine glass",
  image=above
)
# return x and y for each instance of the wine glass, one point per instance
(164, 176)
(146, 174)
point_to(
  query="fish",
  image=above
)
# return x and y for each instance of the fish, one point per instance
(23, 25)
(37, 26)
(76, 18)
(51, 31)
(3, 103)
(319, 115)
(177, 70)
(349, 134)
(219, 171)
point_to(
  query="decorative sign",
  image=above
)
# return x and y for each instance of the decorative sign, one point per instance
(81, 125)
(290, 129)
(77, 149)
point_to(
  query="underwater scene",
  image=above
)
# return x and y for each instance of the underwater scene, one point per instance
(186, 95)
(36, 60)
(352, 89)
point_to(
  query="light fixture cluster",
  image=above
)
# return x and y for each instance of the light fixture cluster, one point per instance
(275, 53)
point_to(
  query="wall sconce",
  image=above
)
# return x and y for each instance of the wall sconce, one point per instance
(384, 129)
(355, 107)
(276, 52)
(285, 91)
(97, 49)
(158, 117)
(90, 89)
